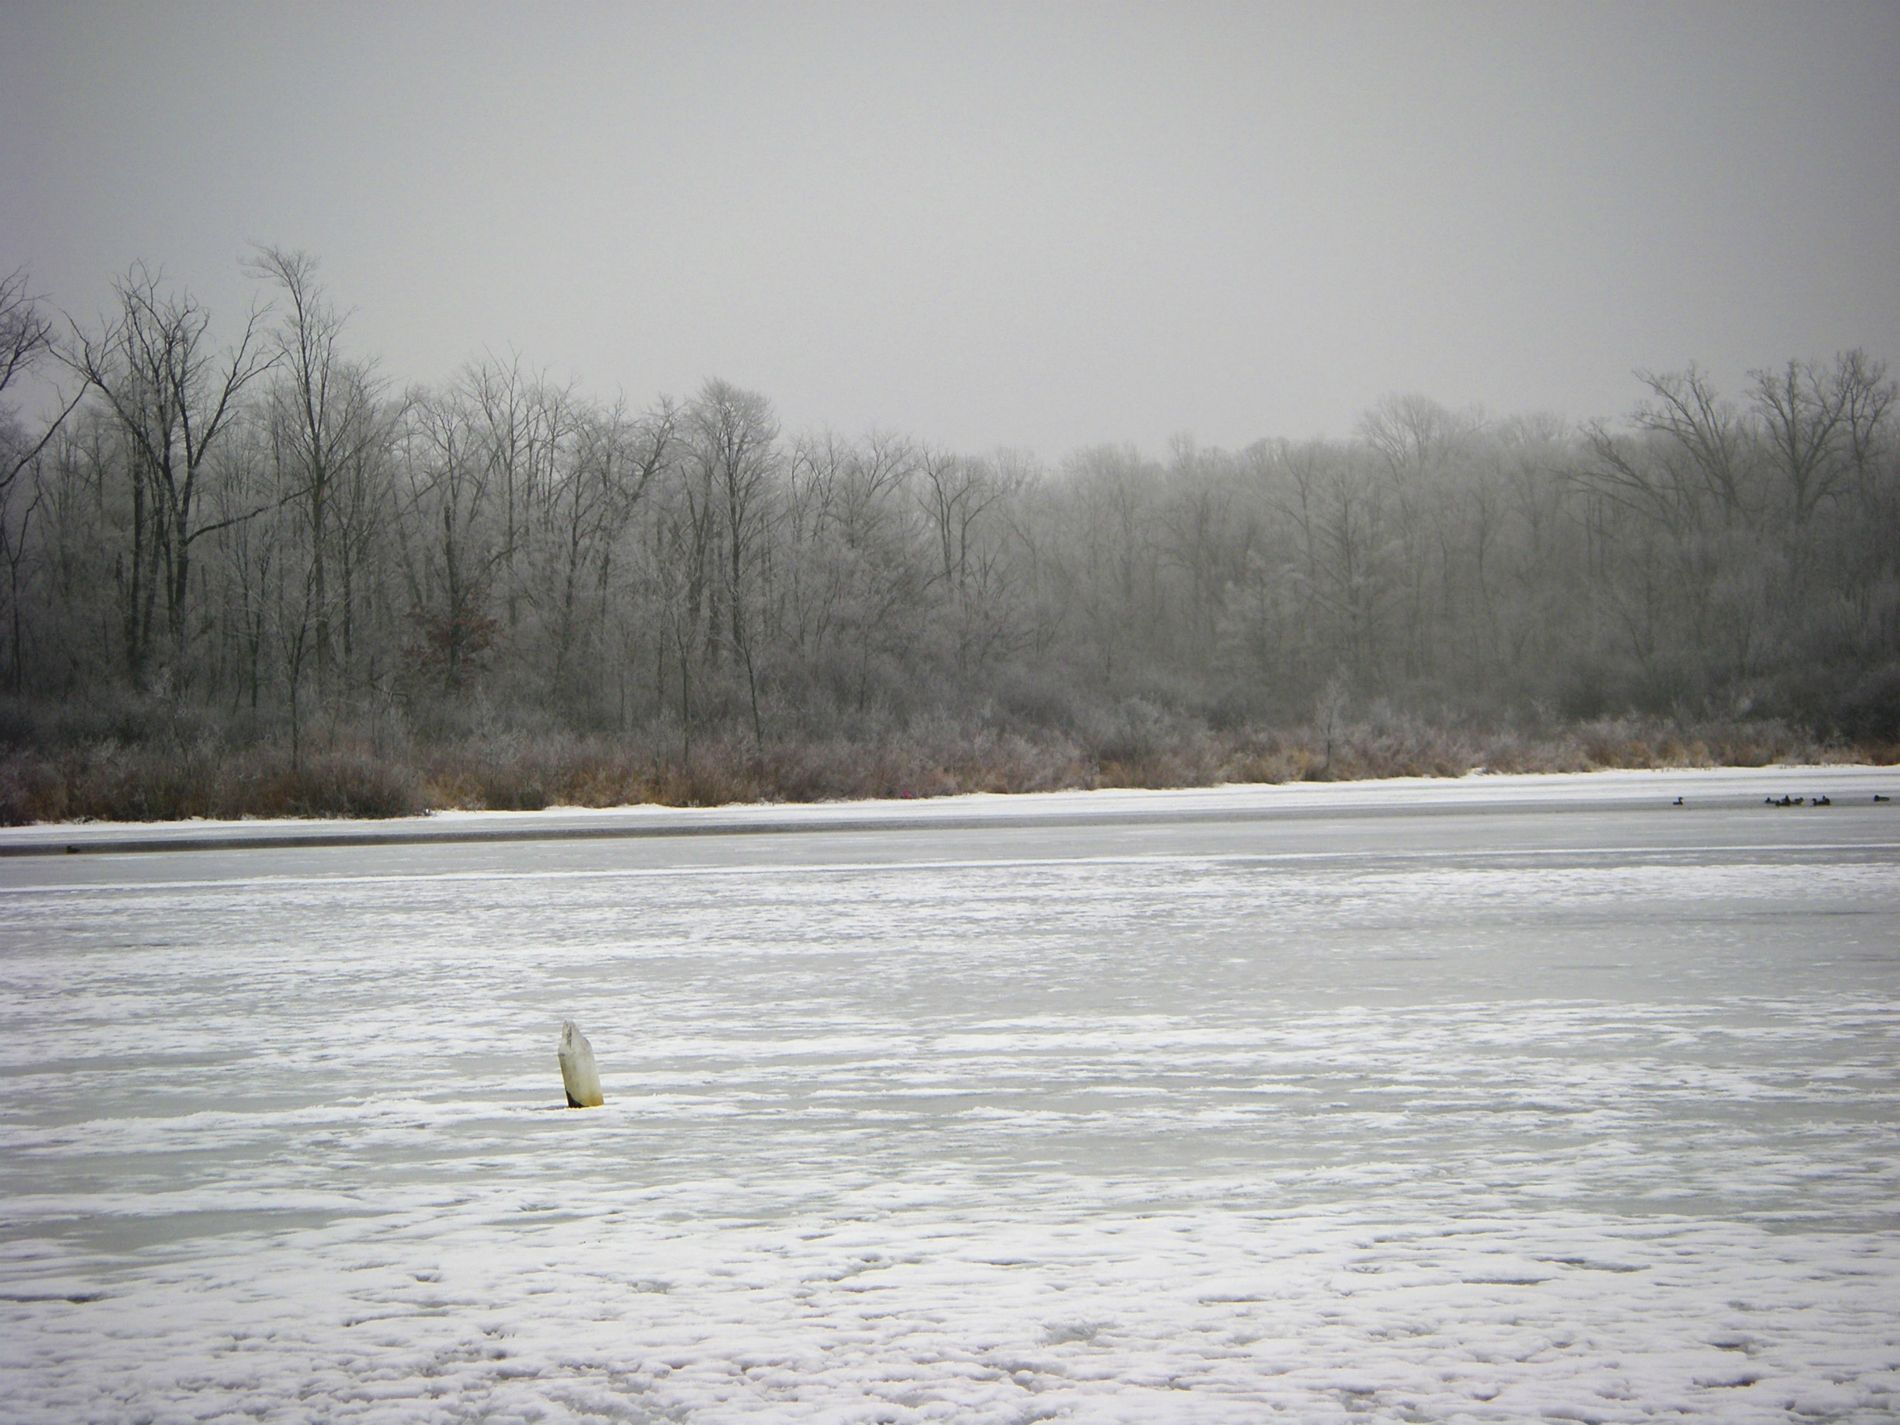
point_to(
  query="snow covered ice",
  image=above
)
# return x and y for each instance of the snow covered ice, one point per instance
(1497, 1100)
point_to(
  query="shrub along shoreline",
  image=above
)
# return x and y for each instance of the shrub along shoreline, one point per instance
(182, 771)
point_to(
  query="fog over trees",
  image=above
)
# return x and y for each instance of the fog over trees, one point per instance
(237, 528)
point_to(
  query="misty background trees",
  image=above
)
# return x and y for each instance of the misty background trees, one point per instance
(242, 524)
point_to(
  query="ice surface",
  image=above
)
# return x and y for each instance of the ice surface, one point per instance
(1567, 1104)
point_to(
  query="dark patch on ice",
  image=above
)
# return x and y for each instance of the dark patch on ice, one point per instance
(35, 1298)
(114, 1063)
(1592, 1266)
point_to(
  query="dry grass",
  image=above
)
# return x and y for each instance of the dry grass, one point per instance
(113, 782)
(180, 773)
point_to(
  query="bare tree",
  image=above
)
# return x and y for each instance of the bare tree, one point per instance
(333, 420)
(1868, 397)
(965, 502)
(1414, 434)
(1819, 425)
(26, 333)
(617, 459)
(153, 366)
(731, 435)
(451, 531)
(26, 340)
(1696, 427)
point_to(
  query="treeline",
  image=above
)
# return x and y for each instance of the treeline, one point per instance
(261, 568)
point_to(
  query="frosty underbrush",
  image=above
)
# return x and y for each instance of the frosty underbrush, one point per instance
(79, 768)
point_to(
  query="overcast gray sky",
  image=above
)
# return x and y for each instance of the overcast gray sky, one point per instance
(1037, 225)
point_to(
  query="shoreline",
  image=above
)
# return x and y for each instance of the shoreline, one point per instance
(1704, 787)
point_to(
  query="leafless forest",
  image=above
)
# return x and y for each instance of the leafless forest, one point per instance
(247, 571)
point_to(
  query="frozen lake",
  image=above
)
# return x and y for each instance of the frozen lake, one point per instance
(1496, 1100)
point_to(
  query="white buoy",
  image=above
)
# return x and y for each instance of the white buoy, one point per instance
(578, 1074)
